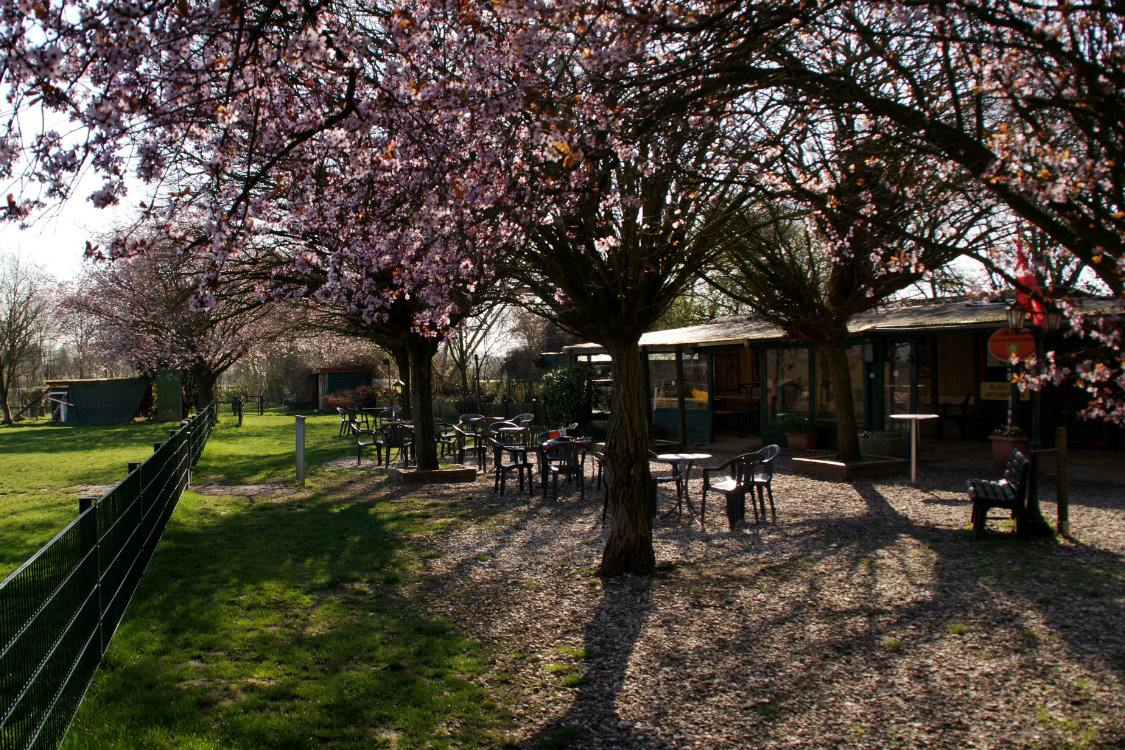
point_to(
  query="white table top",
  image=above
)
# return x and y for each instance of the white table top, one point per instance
(683, 456)
(914, 416)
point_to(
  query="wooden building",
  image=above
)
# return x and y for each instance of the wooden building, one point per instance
(740, 373)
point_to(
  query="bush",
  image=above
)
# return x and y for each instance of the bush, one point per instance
(796, 424)
(357, 398)
(568, 394)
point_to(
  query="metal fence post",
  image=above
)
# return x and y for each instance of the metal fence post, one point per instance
(88, 533)
(301, 450)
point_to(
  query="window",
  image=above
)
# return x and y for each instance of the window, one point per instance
(826, 394)
(662, 371)
(787, 382)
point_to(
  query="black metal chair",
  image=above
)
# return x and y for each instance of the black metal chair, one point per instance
(761, 480)
(733, 486)
(517, 462)
(344, 423)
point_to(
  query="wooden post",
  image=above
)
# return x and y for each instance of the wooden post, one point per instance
(681, 393)
(1061, 493)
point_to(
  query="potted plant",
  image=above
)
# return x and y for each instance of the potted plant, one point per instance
(892, 444)
(1004, 439)
(800, 431)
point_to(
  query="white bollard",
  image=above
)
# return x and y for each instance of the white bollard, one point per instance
(301, 450)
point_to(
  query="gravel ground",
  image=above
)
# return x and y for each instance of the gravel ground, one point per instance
(866, 616)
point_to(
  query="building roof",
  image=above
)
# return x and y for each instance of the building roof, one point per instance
(899, 317)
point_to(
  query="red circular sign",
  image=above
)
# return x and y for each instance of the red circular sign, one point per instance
(1008, 341)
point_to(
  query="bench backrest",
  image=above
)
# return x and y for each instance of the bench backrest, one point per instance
(1016, 471)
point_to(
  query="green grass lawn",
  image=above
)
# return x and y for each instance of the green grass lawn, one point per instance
(45, 468)
(286, 620)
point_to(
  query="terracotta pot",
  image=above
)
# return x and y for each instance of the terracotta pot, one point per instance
(802, 441)
(1002, 447)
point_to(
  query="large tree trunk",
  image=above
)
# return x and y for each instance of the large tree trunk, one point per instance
(629, 482)
(4, 399)
(422, 350)
(836, 356)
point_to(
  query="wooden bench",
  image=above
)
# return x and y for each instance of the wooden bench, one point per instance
(1009, 493)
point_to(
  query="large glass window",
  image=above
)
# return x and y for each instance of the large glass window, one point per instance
(787, 382)
(826, 393)
(662, 371)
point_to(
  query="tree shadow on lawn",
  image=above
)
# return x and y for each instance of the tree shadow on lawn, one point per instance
(287, 624)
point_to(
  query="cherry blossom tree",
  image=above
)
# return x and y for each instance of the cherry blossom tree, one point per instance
(1025, 98)
(142, 313)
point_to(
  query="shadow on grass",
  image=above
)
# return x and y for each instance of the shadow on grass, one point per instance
(285, 625)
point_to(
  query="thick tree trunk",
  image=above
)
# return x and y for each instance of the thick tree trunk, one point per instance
(421, 350)
(835, 355)
(629, 482)
(402, 364)
(206, 392)
(4, 400)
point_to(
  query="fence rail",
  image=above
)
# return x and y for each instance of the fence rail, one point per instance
(59, 611)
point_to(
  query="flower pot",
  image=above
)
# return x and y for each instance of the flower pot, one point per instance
(891, 446)
(1002, 447)
(801, 441)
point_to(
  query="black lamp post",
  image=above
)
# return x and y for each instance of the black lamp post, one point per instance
(399, 386)
(1033, 522)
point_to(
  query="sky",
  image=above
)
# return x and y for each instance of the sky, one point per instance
(57, 240)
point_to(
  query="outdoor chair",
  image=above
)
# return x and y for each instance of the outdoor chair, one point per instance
(761, 480)
(566, 458)
(344, 423)
(524, 420)
(517, 462)
(467, 442)
(360, 418)
(397, 436)
(366, 439)
(658, 479)
(736, 474)
(444, 437)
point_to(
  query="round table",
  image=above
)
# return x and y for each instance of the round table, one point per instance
(913, 419)
(683, 463)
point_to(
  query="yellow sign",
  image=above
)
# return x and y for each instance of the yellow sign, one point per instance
(1000, 392)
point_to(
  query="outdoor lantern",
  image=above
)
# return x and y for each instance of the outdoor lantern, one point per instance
(399, 385)
(1016, 316)
(1054, 320)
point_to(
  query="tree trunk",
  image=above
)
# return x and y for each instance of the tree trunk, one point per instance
(628, 480)
(402, 364)
(836, 356)
(422, 350)
(4, 399)
(206, 391)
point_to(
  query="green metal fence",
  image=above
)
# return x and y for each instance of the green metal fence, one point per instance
(59, 611)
